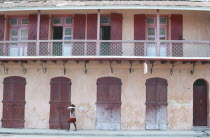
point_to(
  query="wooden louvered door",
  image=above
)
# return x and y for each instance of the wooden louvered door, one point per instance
(116, 34)
(59, 101)
(108, 105)
(79, 33)
(14, 102)
(139, 33)
(200, 103)
(156, 104)
(177, 34)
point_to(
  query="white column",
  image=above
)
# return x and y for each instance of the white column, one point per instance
(38, 31)
(158, 32)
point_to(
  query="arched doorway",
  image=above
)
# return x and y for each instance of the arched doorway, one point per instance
(60, 95)
(199, 103)
(14, 102)
(108, 105)
(156, 103)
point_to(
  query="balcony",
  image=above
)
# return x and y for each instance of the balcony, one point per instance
(113, 49)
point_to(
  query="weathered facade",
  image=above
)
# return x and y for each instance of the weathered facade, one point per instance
(124, 68)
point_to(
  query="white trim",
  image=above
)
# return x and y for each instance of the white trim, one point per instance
(105, 7)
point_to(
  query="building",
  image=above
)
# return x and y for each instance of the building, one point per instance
(129, 65)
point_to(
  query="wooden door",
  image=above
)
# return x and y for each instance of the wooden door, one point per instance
(59, 101)
(156, 104)
(108, 105)
(199, 103)
(13, 102)
(116, 34)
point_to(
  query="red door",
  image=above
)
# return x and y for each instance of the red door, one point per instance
(199, 103)
(60, 96)
(156, 103)
(108, 105)
(13, 102)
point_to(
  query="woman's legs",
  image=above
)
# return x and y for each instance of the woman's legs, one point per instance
(75, 126)
(69, 125)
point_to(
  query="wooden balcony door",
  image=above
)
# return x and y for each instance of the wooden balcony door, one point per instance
(18, 32)
(108, 105)
(151, 34)
(60, 96)
(13, 102)
(156, 104)
(199, 103)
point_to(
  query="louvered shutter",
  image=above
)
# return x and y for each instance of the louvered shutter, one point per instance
(177, 34)
(79, 33)
(139, 33)
(116, 34)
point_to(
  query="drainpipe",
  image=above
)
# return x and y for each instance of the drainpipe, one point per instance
(98, 34)
(38, 31)
(158, 32)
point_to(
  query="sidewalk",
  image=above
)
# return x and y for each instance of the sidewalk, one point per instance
(142, 133)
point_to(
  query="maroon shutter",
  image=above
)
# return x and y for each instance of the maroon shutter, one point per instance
(91, 33)
(32, 34)
(79, 33)
(60, 99)
(116, 34)
(14, 102)
(2, 27)
(177, 34)
(32, 27)
(139, 33)
(44, 31)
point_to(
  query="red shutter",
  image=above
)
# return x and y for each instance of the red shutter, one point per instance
(32, 27)
(139, 33)
(91, 33)
(177, 34)
(44, 27)
(79, 26)
(2, 25)
(116, 26)
(116, 34)
(44, 31)
(79, 33)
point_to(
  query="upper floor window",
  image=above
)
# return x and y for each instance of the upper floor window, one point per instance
(152, 35)
(62, 30)
(18, 32)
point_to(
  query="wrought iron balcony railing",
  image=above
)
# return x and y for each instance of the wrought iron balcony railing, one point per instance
(93, 48)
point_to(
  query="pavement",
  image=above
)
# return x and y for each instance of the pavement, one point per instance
(106, 133)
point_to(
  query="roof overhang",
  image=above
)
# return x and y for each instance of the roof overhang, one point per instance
(134, 7)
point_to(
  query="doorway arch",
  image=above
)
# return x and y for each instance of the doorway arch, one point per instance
(200, 103)
(13, 102)
(108, 105)
(60, 100)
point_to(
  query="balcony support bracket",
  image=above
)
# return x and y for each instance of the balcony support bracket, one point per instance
(85, 64)
(193, 69)
(6, 70)
(44, 69)
(64, 67)
(110, 64)
(131, 64)
(24, 69)
(172, 68)
(151, 70)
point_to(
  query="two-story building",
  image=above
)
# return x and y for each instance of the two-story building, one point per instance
(126, 65)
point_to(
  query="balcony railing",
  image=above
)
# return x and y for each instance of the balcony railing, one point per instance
(93, 48)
